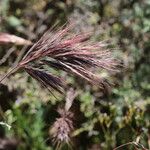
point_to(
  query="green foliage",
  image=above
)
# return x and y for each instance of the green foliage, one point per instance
(26, 119)
(104, 121)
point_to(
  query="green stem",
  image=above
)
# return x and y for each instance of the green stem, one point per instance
(14, 69)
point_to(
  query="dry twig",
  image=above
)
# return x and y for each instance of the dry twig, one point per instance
(6, 38)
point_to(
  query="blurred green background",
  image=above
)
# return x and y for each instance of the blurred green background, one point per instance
(102, 121)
